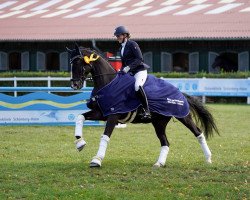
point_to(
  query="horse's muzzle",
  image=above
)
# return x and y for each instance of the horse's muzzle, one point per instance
(76, 84)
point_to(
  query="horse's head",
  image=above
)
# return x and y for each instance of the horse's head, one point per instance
(80, 61)
(225, 63)
(218, 62)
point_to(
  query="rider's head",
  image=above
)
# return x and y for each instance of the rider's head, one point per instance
(121, 33)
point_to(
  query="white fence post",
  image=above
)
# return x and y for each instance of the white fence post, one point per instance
(49, 83)
(248, 98)
(15, 85)
(203, 97)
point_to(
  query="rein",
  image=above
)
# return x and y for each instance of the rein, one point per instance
(103, 74)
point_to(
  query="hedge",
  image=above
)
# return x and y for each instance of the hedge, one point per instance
(165, 75)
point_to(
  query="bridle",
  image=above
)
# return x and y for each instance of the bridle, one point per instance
(88, 61)
(82, 77)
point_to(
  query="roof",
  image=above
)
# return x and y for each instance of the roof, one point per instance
(146, 19)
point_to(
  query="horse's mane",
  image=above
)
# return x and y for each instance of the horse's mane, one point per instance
(90, 51)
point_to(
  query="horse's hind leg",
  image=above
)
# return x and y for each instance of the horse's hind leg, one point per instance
(189, 123)
(160, 127)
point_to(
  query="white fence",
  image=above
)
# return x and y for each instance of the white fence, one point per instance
(47, 79)
(192, 86)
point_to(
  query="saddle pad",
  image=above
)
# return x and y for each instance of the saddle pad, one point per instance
(119, 97)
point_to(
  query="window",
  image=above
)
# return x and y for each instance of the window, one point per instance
(40, 61)
(180, 62)
(243, 60)
(52, 61)
(148, 59)
(166, 62)
(64, 61)
(15, 61)
(211, 58)
(25, 63)
(193, 62)
(3, 60)
(227, 62)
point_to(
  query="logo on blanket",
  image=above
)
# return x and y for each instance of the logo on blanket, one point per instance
(175, 101)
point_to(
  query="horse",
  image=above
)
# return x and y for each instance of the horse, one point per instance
(224, 63)
(86, 62)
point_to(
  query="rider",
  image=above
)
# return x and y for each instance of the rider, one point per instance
(132, 61)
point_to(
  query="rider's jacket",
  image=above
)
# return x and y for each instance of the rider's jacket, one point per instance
(132, 57)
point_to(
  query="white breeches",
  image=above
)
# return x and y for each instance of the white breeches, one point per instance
(140, 79)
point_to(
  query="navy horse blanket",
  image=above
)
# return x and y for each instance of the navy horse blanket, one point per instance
(119, 97)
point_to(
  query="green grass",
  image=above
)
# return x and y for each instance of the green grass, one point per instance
(42, 163)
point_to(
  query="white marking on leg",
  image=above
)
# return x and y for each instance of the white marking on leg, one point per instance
(103, 146)
(163, 157)
(97, 160)
(80, 143)
(207, 153)
(79, 124)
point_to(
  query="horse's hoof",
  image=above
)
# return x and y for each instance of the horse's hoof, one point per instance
(96, 162)
(208, 161)
(158, 165)
(80, 144)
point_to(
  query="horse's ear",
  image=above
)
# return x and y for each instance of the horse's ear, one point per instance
(69, 50)
(76, 46)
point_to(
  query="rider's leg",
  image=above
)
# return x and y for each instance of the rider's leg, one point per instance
(140, 79)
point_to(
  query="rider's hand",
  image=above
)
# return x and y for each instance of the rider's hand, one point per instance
(126, 69)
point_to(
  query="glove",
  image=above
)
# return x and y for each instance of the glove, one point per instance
(126, 69)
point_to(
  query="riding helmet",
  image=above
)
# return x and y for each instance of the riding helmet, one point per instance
(121, 30)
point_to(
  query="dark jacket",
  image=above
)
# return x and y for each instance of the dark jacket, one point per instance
(132, 57)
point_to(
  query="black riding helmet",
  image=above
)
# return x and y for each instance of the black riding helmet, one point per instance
(121, 30)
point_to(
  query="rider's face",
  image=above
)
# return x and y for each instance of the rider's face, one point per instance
(120, 38)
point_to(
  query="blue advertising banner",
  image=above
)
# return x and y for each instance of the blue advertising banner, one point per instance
(213, 87)
(41, 108)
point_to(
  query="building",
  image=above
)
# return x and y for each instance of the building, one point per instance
(174, 35)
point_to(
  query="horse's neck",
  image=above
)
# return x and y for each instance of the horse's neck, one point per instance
(102, 74)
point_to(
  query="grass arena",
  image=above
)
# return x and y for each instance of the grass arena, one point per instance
(41, 162)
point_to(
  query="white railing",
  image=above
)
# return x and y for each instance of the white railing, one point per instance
(197, 86)
(48, 79)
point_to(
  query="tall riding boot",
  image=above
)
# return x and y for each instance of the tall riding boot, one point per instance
(143, 98)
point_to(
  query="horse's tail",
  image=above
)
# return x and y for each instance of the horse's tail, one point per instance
(203, 116)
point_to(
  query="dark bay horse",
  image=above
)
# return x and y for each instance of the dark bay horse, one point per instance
(86, 62)
(224, 63)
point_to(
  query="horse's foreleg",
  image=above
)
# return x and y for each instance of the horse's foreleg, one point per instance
(189, 123)
(160, 127)
(91, 115)
(80, 142)
(110, 125)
